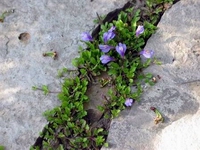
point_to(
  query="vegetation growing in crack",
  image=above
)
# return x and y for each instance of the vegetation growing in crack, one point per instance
(116, 51)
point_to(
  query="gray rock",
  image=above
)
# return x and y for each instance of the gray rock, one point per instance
(52, 25)
(176, 95)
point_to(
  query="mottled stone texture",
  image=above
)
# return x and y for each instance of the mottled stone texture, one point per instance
(52, 25)
(57, 25)
(177, 94)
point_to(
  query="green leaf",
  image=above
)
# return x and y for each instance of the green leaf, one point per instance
(86, 55)
(87, 127)
(80, 48)
(83, 71)
(65, 91)
(84, 98)
(149, 29)
(120, 25)
(113, 104)
(128, 90)
(61, 135)
(68, 83)
(83, 122)
(113, 72)
(61, 72)
(149, 75)
(147, 63)
(82, 114)
(63, 97)
(101, 108)
(5, 14)
(60, 147)
(93, 61)
(84, 139)
(99, 140)
(84, 83)
(106, 145)
(115, 112)
(157, 62)
(45, 89)
(70, 124)
(131, 81)
(122, 16)
(34, 88)
(67, 111)
(77, 94)
(84, 89)
(75, 62)
(133, 67)
(135, 19)
(99, 130)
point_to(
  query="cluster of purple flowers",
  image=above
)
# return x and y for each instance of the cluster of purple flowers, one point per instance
(106, 48)
(120, 48)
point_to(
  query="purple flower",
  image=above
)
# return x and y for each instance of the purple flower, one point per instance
(147, 53)
(129, 102)
(86, 37)
(140, 30)
(121, 49)
(105, 59)
(109, 35)
(105, 48)
(112, 29)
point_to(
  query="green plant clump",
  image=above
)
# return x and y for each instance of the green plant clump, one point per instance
(116, 52)
(123, 69)
(2, 147)
(67, 128)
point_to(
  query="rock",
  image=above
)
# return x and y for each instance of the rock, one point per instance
(180, 135)
(176, 95)
(52, 26)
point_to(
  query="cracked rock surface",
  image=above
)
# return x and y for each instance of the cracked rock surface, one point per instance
(57, 25)
(53, 26)
(176, 95)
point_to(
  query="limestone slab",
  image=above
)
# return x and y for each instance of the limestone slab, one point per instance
(53, 26)
(177, 45)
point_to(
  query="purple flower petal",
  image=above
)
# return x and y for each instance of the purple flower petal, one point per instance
(129, 102)
(121, 49)
(112, 29)
(147, 53)
(140, 30)
(105, 37)
(105, 59)
(105, 48)
(86, 37)
(108, 36)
